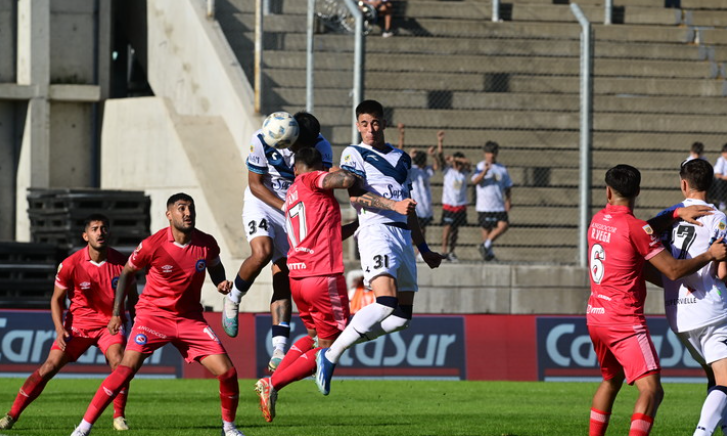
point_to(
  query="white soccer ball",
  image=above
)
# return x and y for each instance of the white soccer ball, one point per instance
(280, 130)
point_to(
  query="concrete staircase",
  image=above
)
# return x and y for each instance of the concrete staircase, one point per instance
(659, 86)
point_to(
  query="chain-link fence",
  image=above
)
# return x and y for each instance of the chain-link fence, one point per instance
(448, 68)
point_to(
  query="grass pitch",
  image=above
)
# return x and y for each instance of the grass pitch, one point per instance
(354, 407)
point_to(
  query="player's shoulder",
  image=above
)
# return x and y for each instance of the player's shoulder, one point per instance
(204, 238)
(75, 258)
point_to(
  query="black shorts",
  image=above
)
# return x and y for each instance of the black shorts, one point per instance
(424, 221)
(489, 220)
(454, 219)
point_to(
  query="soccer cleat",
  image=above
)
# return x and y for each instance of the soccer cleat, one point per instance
(268, 396)
(233, 432)
(120, 423)
(79, 432)
(230, 310)
(275, 360)
(6, 422)
(489, 255)
(324, 371)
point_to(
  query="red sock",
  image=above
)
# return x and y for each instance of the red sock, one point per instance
(640, 424)
(107, 391)
(301, 346)
(120, 401)
(302, 367)
(229, 394)
(599, 422)
(30, 390)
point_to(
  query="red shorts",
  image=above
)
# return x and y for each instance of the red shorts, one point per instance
(193, 337)
(322, 303)
(626, 349)
(82, 339)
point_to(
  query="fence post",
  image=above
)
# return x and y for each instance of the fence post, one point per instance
(211, 9)
(586, 132)
(608, 13)
(258, 54)
(309, 58)
(495, 10)
(358, 64)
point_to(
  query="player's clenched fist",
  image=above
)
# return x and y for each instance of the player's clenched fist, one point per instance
(224, 287)
(405, 207)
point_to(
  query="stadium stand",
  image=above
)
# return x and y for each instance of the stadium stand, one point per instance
(659, 85)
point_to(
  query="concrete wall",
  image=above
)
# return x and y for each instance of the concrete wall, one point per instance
(147, 146)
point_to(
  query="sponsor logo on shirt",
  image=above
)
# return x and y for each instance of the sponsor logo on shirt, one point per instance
(200, 265)
(299, 265)
(140, 339)
(114, 282)
(720, 226)
(649, 231)
(85, 285)
(607, 217)
(595, 310)
(167, 269)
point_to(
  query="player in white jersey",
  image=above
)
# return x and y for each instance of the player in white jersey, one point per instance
(385, 240)
(695, 305)
(270, 174)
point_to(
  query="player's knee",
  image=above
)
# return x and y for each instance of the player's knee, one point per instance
(261, 257)
(49, 369)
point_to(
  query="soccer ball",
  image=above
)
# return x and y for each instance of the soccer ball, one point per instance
(280, 130)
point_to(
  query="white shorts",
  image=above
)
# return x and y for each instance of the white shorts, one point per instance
(707, 344)
(388, 250)
(259, 219)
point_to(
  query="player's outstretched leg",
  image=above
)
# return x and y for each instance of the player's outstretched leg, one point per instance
(268, 396)
(324, 371)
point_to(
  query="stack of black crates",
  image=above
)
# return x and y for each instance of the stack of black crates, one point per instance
(27, 270)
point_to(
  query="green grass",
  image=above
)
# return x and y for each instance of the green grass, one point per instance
(355, 407)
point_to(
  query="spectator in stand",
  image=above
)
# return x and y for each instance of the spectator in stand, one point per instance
(457, 169)
(492, 185)
(383, 9)
(719, 189)
(421, 173)
(696, 151)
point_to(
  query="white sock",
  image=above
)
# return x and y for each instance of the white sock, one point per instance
(280, 343)
(366, 321)
(488, 244)
(712, 409)
(85, 425)
(227, 426)
(235, 294)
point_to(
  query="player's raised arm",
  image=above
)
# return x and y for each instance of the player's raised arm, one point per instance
(257, 186)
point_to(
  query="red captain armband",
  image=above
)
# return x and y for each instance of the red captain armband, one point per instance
(675, 214)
